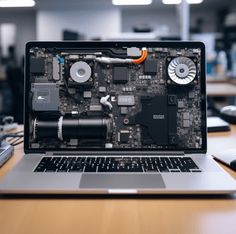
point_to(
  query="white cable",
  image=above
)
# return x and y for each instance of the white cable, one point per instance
(104, 101)
(112, 60)
(34, 128)
(59, 130)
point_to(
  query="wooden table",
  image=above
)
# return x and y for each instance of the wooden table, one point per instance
(221, 89)
(149, 215)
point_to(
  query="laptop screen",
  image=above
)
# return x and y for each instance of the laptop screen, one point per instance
(115, 96)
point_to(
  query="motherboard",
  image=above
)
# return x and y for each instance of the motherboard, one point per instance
(115, 98)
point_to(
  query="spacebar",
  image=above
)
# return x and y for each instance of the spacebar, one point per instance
(119, 170)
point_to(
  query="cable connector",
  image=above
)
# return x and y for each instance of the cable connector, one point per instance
(104, 101)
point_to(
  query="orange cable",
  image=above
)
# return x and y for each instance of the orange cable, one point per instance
(142, 58)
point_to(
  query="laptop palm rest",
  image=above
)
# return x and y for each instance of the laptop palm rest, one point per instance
(122, 181)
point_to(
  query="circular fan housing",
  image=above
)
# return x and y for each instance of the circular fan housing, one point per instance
(80, 72)
(182, 70)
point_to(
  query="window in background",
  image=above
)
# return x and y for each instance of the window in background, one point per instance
(7, 38)
(7, 41)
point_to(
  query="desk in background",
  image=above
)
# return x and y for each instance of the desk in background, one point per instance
(221, 87)
(164, 215)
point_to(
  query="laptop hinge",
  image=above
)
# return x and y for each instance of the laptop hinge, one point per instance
(109, 153)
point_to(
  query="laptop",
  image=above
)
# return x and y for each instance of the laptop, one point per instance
(115, 118)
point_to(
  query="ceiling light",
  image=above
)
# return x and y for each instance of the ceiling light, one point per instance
(169, 2)
(131, 2)
(179, 1)
(194, 1)
(17, 3)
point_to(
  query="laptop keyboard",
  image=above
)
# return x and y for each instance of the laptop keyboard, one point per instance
(117, 164)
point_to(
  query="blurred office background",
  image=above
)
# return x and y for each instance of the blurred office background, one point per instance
(210, 21)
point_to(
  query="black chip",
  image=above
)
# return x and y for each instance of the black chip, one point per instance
(154, 117)
(37, 65)
(124, 137)
(120, 75)
(158, 120)
(150, 67)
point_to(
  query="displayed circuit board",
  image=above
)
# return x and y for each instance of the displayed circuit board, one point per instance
(115, 98)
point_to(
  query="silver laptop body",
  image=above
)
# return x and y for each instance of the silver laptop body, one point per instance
(115, 118)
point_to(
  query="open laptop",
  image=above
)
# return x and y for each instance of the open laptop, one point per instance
(116, 117)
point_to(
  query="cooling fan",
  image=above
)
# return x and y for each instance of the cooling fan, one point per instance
(182, 70)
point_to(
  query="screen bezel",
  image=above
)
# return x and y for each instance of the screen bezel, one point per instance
(109, 44)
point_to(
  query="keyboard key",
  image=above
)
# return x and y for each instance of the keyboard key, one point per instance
(174, 170)
(117, 164)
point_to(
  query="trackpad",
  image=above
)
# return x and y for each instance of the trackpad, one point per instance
(122, 181)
